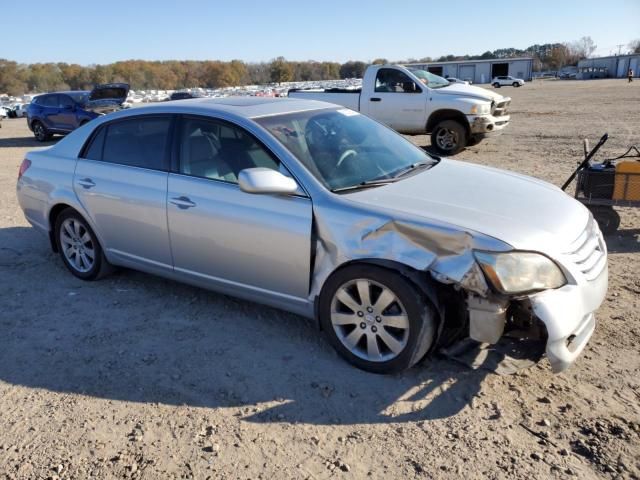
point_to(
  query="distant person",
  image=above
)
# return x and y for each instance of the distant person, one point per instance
(630, 75)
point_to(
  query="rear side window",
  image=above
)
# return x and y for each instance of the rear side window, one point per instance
(137, 142)
(49, 101)
(94, 152)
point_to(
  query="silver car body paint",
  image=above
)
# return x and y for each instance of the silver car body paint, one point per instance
(261, 247)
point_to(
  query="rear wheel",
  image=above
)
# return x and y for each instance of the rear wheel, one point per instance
(496, 85)
(376, 319)
(79, 247)
(40, 132)
(449, 137)
(608, 219)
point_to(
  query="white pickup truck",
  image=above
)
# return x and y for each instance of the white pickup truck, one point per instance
(415, 102)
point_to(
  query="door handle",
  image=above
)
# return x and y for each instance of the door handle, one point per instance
(86, 183)
(182, 202)
(375, 99)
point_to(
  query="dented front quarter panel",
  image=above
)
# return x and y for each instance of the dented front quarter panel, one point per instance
(346, 233)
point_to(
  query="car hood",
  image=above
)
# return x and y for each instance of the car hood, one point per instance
(470, 91)
(526, 213)
(115, 92)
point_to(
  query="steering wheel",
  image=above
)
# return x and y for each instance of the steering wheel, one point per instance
(344, 156)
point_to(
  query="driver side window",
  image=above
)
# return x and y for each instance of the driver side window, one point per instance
(389, 80)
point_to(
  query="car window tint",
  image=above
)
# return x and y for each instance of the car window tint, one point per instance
(64, 101)
(219, 151)
(49, 101)
(94, 152)
(137, 142)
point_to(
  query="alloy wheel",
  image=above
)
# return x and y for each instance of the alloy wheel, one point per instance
(446, 139)
(77, 245)
(370, 320)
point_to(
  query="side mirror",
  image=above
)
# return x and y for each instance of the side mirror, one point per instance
(265, 180)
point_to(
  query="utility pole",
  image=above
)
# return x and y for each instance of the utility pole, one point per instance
(620, 48)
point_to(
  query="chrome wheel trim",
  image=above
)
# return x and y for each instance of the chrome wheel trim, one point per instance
(446, 139)
(77, 245)
(370, 320)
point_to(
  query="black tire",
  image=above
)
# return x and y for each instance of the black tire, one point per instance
(496, 85)
(449, 137)
(100, 266)
(608, 219)
(422, 319)
(516, 84)
(40, 131)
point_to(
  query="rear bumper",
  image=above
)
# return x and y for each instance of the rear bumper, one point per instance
(569, 317)
(486, 125)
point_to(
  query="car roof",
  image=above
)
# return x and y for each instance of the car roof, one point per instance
(66, 92)
(247, 107)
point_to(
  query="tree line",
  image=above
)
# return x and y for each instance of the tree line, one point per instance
(17, 78)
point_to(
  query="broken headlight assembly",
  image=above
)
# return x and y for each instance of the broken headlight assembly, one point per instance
(520, 272)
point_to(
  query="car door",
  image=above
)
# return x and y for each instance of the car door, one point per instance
(252, 245)
(49, 111)
(397, 102)
(66, 116)
(121, 181)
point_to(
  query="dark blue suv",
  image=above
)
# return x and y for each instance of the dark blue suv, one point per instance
(63, 112)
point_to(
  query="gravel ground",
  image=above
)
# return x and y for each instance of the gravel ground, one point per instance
(138, 377)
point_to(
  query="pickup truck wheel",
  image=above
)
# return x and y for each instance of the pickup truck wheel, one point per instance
(376, 318)
(449, 137)
(40, 132)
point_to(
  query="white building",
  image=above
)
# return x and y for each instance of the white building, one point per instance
(481, 71)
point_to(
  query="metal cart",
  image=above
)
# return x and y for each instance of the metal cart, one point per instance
(595, 186)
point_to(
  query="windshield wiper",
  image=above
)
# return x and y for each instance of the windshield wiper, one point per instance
(414, 167)
(366, 184)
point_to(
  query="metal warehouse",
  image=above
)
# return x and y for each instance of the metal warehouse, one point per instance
(481, 71)
(608, 67)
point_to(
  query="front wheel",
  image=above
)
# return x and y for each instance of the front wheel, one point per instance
(376, 319)
(449, 137)
(516, 84)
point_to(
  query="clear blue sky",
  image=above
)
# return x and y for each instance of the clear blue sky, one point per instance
(89, 32)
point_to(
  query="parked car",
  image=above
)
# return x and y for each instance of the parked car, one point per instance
(498, 82)
(17, 110)
(183, 95)
(457, 80)
(415, 102)
(316, 209)
(63, 112)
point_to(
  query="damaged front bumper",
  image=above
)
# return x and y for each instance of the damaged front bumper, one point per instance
(568, 314)
(484, 125)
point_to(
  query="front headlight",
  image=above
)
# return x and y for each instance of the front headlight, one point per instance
(520, 272)
(481, 109)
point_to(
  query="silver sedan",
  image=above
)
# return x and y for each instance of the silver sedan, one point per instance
(321, 211)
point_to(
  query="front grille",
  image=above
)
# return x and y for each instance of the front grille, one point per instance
(501, 108)
(588, 251)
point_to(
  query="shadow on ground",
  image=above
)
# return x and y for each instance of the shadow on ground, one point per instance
(624, 241)
(26, 142)
(135, 337)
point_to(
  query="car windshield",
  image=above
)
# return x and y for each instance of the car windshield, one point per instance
(429, 79)
(344, 149)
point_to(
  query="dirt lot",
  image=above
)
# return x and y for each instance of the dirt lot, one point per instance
(138, 377)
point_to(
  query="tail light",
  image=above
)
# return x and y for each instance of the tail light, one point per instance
(26, 163)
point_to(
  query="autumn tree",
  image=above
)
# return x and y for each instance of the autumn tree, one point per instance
(280, 70)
